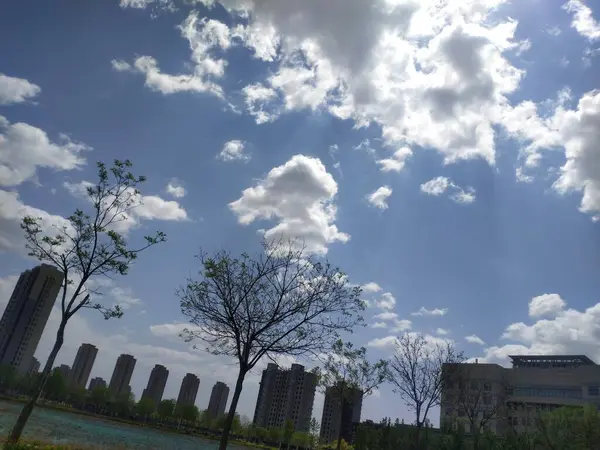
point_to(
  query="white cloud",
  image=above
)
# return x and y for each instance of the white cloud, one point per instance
(430, 312)
(439, 185)
(16, 90)
(176, 189)
(259, 102)
(371, 287)
(549, 305)
(401, 325)
(380, 196)
(300, 195)
(473, 339)
(121, 66)
(397, 162)
(554, 31)
(234, 151)
(150, 207)
(568, 332)
(379, 325)
(12, 211)
(442, 332)
(387, 315)
(24, 149)
(386, 301)
(384, 342)
(583, 20)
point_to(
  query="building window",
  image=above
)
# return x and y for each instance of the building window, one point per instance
(487, 387)
(593, 390)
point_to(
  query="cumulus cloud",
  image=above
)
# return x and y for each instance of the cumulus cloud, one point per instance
(12, 211)
(234, 151)
(440, 185)
(300, 196)
(387, 315)
(176, 189)
(583, 20)
(430, 312)
(371, 287)
(379, 325)
(473, 339)
(386, 301)
(25, 148)
(397, 161)
(442, 332)
(564, 331)
(546, 305)
(16, 90)
(379, 197)
(401, 325)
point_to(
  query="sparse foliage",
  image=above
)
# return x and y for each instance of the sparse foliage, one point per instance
(281, 302)
(349, 377)
(89, 245)
(415, 371)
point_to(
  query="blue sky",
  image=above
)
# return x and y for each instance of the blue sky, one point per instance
(444, 156)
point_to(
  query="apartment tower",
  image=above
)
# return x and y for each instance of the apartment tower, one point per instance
(97, 382)
(188, 390)
(218, 400)
(65, 371)
(26, 315)
(121, 376)
(156, 384)
(34, 367)
(82, 365)
(285, 395)
(335, 411)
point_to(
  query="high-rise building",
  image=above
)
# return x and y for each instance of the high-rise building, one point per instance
(336, 412)
(188, 390)
(156, 384)
(26, 315)
(97, 382)
(500, 399)
(218, 400)
(285, 395)
(82, 366)
(35, 366)
(65, 371)
(121, 376)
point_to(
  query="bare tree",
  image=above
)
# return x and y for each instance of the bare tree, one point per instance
(348, 377)
(481, 400)
(87, 246)
(281, 302)
(415, 371)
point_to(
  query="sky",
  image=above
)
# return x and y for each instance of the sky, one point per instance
(443, 153)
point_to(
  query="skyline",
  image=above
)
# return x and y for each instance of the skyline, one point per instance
(461, 193)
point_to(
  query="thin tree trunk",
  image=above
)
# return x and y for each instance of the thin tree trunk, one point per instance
(230, 416)
(17, 430)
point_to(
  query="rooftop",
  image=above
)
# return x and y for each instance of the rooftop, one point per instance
(545, 360)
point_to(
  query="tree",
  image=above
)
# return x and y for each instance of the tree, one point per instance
(77, 396)
(415, 371)
(56, 386)
(281, 302)
(348, 377)
(314, 427)
(480, 400)
(8, 377)
(189, 413)
(288, 432)
(87, 246)
(166, 409)
(145, 406)
(99, 397)
(124, 404)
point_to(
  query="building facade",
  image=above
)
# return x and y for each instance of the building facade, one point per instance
(188, 390)
(156, 384)
(65, 371)
(218, 400)
(338, 413)
(97, 382)
(489, 396)
(34, 366)
(121, 376)
(82, 365)
(285, 395)
(26, 315)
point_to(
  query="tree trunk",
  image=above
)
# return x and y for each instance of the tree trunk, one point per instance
(232, 408)
(17, 430)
